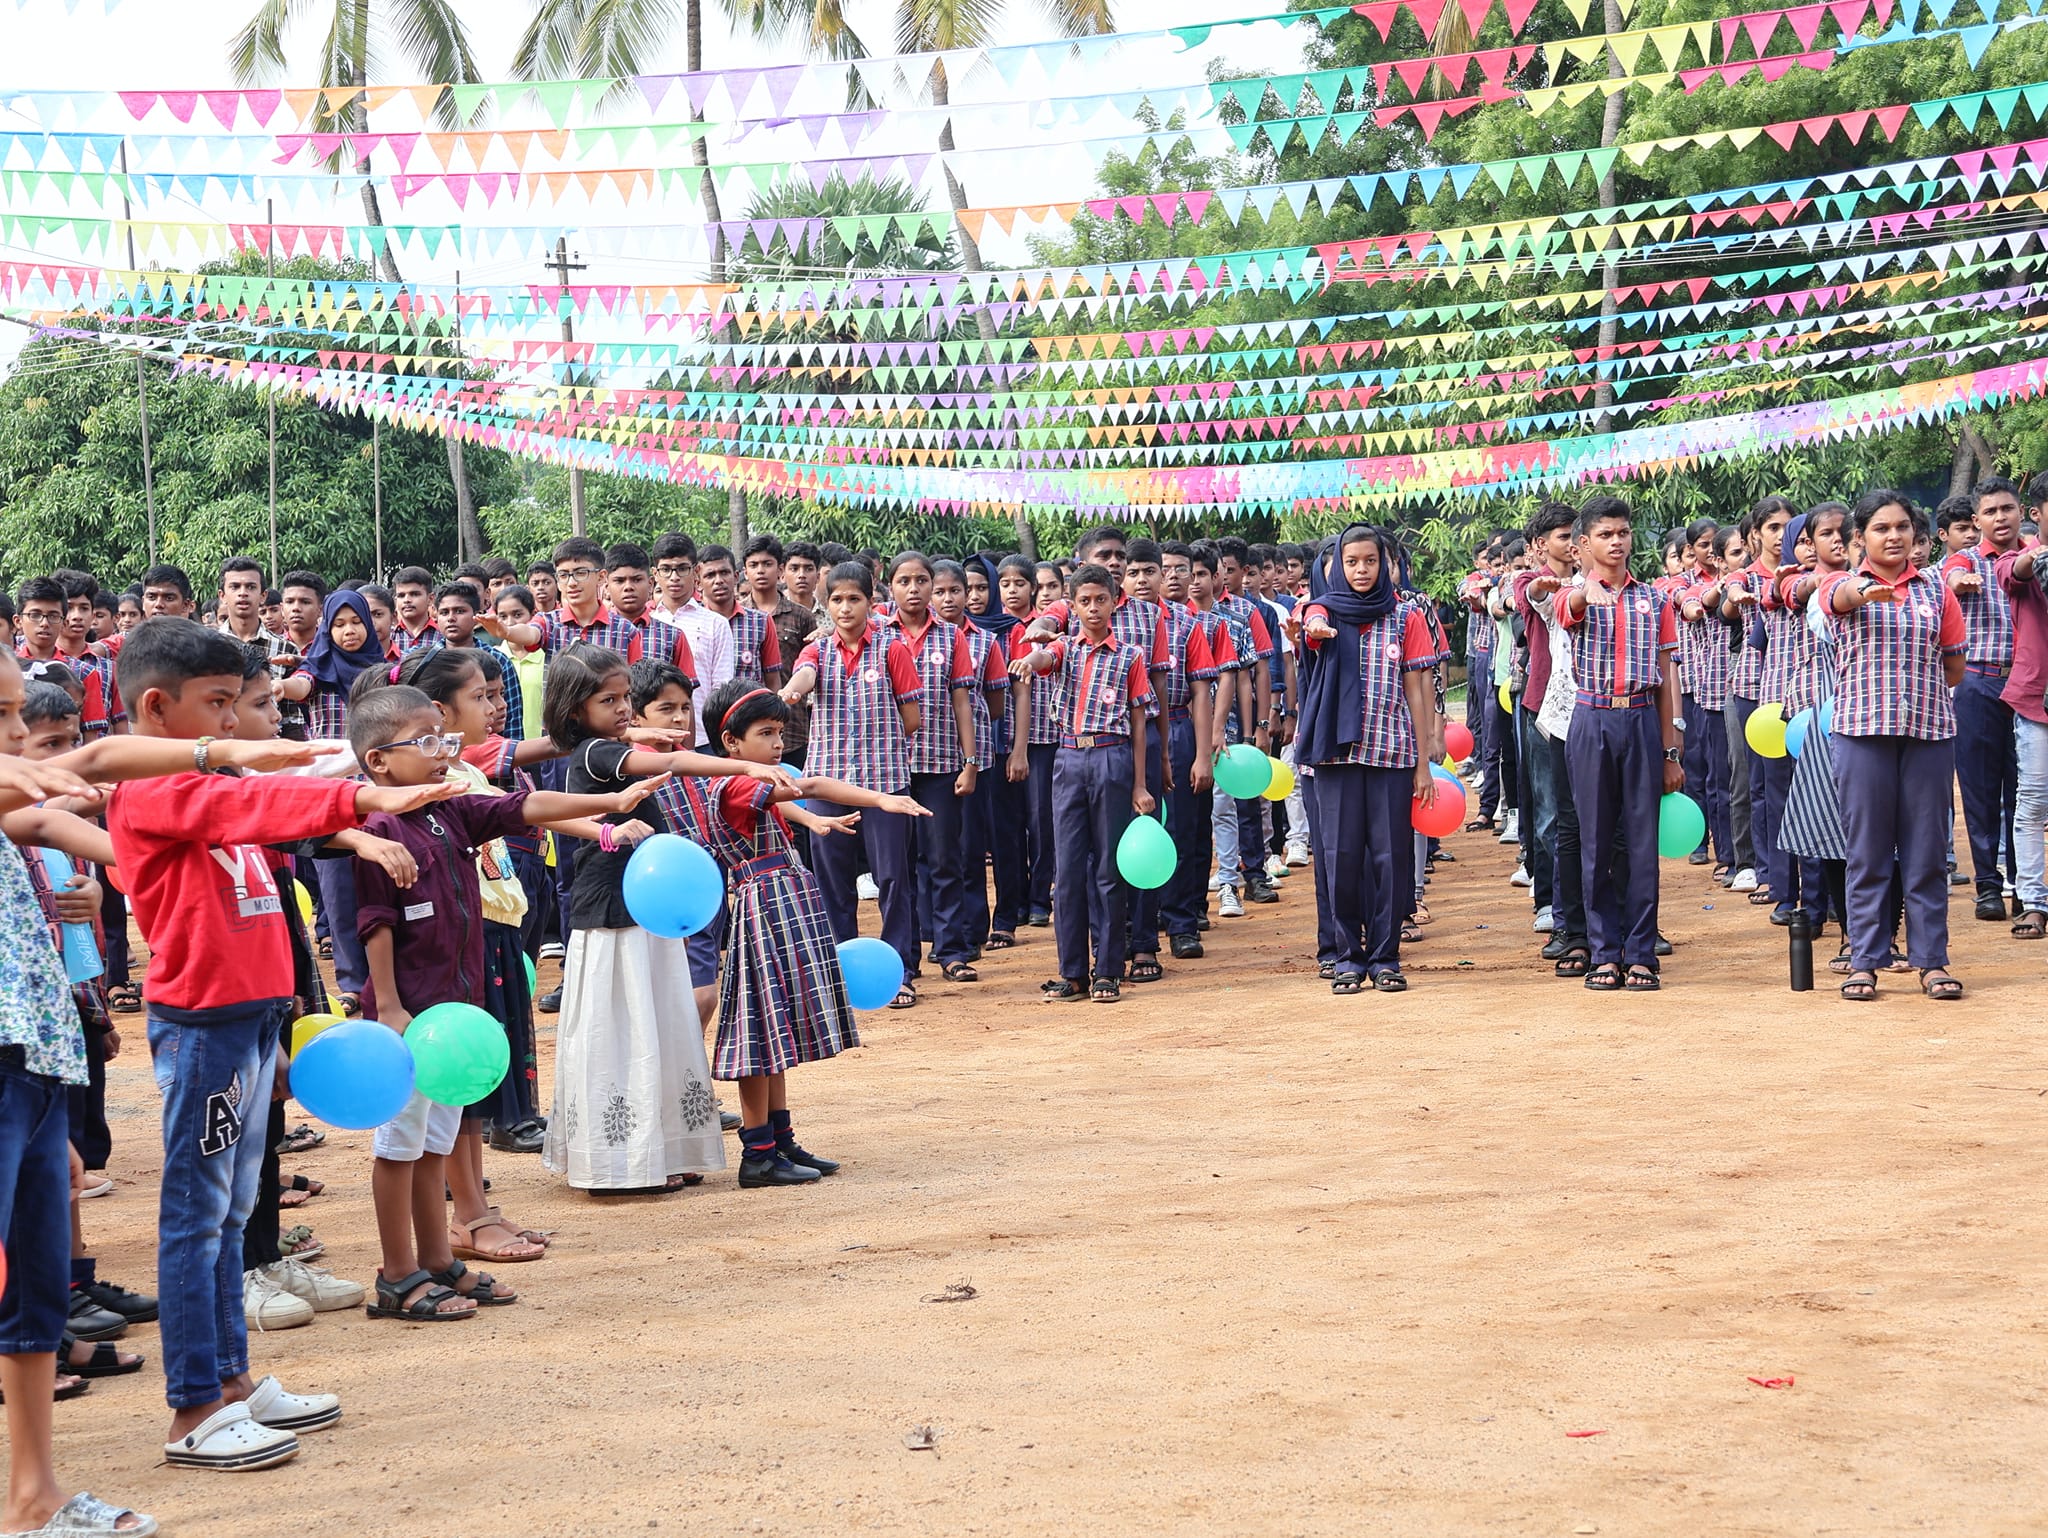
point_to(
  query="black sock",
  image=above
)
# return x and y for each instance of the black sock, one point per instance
(778, 1122)
(758, 1142)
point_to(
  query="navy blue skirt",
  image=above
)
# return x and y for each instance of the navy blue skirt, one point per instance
(509, 999)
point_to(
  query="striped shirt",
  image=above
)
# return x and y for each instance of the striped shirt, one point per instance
(1099, 683)
(1248, 614)
(755, 646)
(1888, 657)
(515, 692)
(559, 630)
(1704, 655)
(92, 664)
(1619, 648)
(1746, 667)
(990, 736)
(427, 639)
(1783, 650)
(856, 727)
(1044, 689)
(326, 711)
(1987, 613)
(1188, 661)
(944, 663)
(1388, 648)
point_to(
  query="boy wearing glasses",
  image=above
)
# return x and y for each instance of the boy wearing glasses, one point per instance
(583, 619)
(425, 945)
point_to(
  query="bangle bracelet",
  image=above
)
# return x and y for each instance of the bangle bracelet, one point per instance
(605, 840)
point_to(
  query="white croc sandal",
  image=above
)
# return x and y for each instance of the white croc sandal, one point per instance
(232, 1440)
(273, 1407)
(87, 1516)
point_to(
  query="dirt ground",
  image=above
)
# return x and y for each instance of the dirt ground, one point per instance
(1498, 1255)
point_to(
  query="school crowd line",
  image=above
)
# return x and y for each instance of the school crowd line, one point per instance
(436, 783)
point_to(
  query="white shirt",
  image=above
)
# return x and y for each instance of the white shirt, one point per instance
(710, 638)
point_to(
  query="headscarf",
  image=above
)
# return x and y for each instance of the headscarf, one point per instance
(328, 663)
(1793, 530)
(1333, 707)
(995, 619)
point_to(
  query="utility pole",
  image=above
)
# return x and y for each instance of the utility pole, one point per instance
(563, 267)
(141, 377)
(270, 395)
(377, 489)
(455, 429)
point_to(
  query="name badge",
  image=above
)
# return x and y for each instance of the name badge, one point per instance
(1393, 648)
(871, 676)
(419, 911)
(1106, 695)
(746, 654)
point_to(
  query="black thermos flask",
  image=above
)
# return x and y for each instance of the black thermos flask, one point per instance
(1799, 934)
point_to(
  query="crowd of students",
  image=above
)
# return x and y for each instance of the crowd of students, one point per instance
(451, 777)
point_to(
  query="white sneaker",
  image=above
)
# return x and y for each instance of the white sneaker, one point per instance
(865, 889)
(321, 1288)
(1745, 881)
(1230, 906)
(552, 951)
(1511, 828)
(1297, 855)
(232, 1440)
(267, 1306)
(271, 1406)
(1276, 868)
(1520, 878)
(1543, 923)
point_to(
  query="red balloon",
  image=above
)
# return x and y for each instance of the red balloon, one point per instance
(1458, 740)
(1443, 816)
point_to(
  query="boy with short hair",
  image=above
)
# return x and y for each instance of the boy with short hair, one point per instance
(412, 593)
(541, 582)
(220, 987)
(166, 590)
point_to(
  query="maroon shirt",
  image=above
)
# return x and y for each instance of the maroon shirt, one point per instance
(1538, 632)
(437, 923)
(2025, 684)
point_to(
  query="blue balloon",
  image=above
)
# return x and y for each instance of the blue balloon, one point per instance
(797, 772)
(873, 972)
(672, 887)
(357, 1075)
(1796, 730)
(1443, 774)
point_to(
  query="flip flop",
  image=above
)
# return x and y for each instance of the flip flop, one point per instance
(87, 1516)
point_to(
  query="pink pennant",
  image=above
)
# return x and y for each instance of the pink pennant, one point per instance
(1430, 115)
(1890, 119)
(263, 104)
(1380, 13)
(1816, 128)
(1454, 67)
(1196, 203)
(1474, 12)
(223, 105)
(1760, 28)
(1427, 14)
(1413, 73)
(181, 104)
(401, 147)
(1167, 204)
(138, 103)
(1517, 13)
(1805, 22)
(1133, 208)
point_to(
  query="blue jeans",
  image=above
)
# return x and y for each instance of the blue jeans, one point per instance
(215, 1068)
(2030, 816)
(35, 1208)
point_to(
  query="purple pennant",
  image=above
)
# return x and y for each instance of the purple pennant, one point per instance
(782, 83)
(739, 85)
(653, 88)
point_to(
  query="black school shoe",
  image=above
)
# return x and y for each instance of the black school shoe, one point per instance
(1185, 947)
(804, 1159)
(523, 1137)
(1260, 891)
(135, 1307)
(1038, 918)
(549, 1003)
(88, 1321)
(1560, 942)
(774, 1170)
(1991, 909)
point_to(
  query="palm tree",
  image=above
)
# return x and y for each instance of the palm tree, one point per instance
(617, 39)
(432, 44)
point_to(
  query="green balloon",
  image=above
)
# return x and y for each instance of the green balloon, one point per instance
(1145, 855)
(1680, 825)
(1243, 771)
(459, 1053)
(532, 976)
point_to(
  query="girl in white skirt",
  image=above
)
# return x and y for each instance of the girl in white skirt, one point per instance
(633, 1106)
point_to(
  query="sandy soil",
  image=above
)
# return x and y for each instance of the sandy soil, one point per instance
(1247, 1259)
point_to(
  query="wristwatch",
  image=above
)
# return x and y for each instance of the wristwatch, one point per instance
(200, 749)
(1674, 755)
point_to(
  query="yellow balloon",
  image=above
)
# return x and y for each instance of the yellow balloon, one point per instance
(1764, 731)
(1507, 701)
(306, 1027)
(1281, 786)
(1450, 763)
(305, 900)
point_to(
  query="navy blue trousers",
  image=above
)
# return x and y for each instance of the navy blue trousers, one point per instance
(1328, 946)
(1568, 885)
(939, 846)
(1191, 818)
(1091, 807)
(1043, 843)
(1762, 827)
(1741, 784)
(1003, 810)
(1147, 902)
(1539, 812)
(1617, 773)
(1988, 770)
(885, 836)
(1795, 881)
(1706, 776)
(1368, 839)
(1883, 783)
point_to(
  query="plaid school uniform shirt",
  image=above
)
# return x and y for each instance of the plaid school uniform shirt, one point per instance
(1234, 649)
(1387, 649)
(1703, 655)
(1987, 613)
(991, 671)
(1746, 667)
(92, 664)
(559, 630)
(1099, 683)
(944, 663)
(427, 640)
(37, 1013)
(1888, 657)
(515, 692)
(326, 710)
(1618, 649)
(1046, 699)
(1787, 646)
(856, 729)
(1188, 660)
(755, 645)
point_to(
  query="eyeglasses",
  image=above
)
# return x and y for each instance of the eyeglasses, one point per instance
(672, 568)
(575, 573)
(430, 745)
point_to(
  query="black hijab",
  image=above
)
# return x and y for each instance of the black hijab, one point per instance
(995, 619)
(329, 663)
(1332, 708)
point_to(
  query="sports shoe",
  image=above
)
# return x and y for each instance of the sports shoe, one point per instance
(1261, 891)
(135, 1307)
(1543, 923)
(267, 1306)
(1745, 881)
(323, 1289)
(554, 950)
(1276, 868)
(1520, 877)
(1230, 905)
(865, 889)
(271, 1406)
(1297, 854)
(1511, 827)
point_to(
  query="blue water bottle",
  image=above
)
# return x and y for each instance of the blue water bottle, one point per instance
(82, 961)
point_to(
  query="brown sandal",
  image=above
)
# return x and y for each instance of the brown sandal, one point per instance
(462, 1239)
(2031, 925)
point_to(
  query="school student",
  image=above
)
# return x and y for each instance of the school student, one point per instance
(1237, 635)
(711, 640)
(1900, 643)
(1763, 528)
(1987, 762)
(867, 702)
(1812, 825)
(986, 699)
(1795, 882)
(1098, 784)
(1553, 849)
(1003, 803)
(1035, 737)
(1370, 726)
(1705, 664)
(1624, 645)
(2021, 572)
